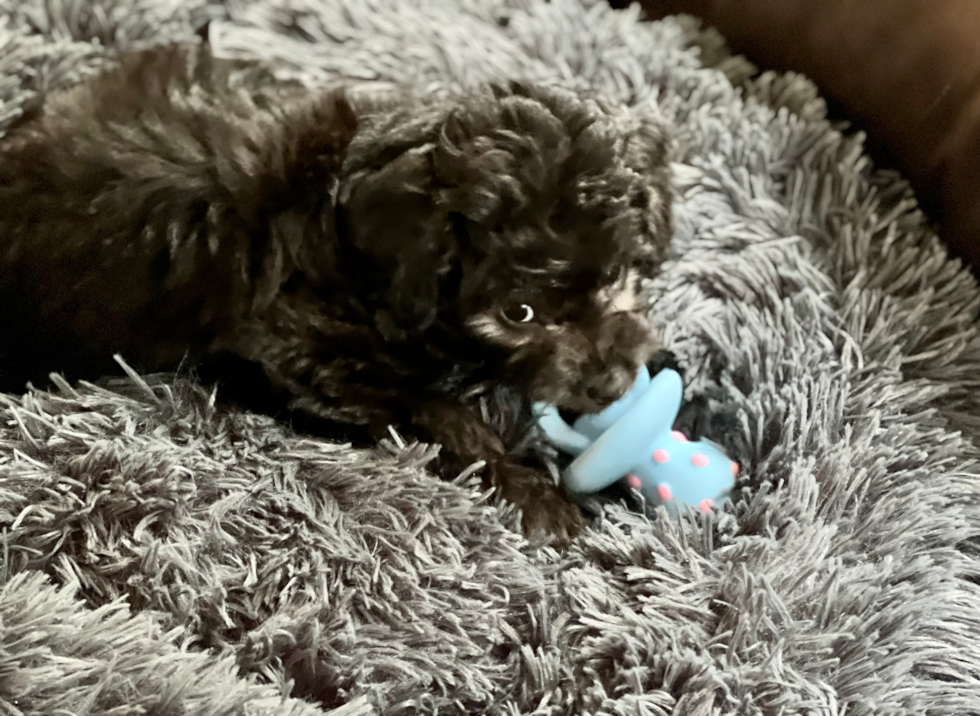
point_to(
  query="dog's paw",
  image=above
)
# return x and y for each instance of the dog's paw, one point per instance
(559, 519)
(544, 505)
(662, 360)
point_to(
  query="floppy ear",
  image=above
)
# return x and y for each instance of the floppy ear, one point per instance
(390, 221)
(649, 142)
(647, 150)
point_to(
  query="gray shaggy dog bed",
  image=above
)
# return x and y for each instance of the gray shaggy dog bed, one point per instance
(162, 555)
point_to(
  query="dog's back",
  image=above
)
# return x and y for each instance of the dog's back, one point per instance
(136, 208)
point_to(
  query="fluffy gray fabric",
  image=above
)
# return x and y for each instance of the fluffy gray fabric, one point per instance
(162, 556)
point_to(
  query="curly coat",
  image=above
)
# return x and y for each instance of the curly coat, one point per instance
(363, 263)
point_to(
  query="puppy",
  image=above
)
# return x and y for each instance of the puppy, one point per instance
(371, 264)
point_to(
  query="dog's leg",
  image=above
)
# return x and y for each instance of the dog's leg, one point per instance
(465, 438)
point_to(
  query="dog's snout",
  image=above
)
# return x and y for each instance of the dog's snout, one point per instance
(609, 384)
(620, 380)
(595, 393)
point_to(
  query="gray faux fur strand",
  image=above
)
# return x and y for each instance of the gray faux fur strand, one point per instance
(163, 556)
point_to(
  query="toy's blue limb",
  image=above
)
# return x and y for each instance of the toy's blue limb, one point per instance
(626, 443)
(558, 432)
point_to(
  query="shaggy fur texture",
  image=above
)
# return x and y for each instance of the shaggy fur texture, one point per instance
(162, 554)
(374, 264)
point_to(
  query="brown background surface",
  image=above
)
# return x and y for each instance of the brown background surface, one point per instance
(907, 71)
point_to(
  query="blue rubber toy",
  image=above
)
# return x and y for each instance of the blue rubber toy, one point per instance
(633, 440)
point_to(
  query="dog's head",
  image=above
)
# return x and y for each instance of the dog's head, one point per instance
(524, 219)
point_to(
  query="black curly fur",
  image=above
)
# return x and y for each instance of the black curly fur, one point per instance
(366, 265)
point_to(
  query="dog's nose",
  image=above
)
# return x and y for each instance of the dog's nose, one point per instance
(596, 394)
(610, 385)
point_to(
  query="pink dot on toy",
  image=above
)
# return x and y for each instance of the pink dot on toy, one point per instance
(706, 505)
(699, 460)
(664, 492)
(633, 481)
(735, 469)
(678, 436)
(661, 455)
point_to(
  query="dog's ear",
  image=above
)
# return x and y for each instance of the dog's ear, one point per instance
(647, 150)
(649, 143)
(390, 221)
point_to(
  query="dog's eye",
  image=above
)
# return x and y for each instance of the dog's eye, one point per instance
(519, 314)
